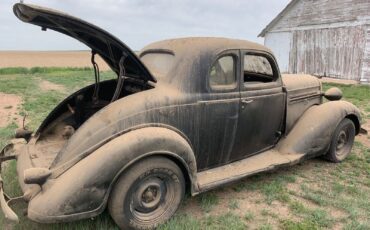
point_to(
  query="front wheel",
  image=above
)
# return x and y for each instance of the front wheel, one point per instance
(148, 194)
(342, 141)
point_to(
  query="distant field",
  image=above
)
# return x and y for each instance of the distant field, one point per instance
(30, 59)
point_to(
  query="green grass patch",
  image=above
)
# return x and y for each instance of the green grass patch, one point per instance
(315, 196)
(9, 175)
(233, 204)
(226, 221)
(248, 216)
(265, 227)
(357, 94)
(273, 189)
(354, 225)
(6, 134)
(311, 219)
(37, 103)
(298, 207)
(73, 80)
(207, 201)
(297, 225)
(222, 222)
(38, 70)
(344, 188)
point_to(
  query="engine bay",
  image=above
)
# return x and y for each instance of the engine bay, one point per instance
(77, 108)
(71, 113)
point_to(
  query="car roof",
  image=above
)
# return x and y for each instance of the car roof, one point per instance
(204, 45)
(194, 56)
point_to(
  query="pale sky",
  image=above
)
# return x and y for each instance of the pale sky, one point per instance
(139, 22)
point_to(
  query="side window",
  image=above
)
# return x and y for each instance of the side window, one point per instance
(222, 73)
(257, 69)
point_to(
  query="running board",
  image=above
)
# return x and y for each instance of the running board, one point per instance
(261, 162)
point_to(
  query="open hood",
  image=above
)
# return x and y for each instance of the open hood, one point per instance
(110, 48)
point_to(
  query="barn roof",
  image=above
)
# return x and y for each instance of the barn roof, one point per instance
(277, 18)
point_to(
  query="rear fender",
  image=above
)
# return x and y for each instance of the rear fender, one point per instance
(312, 133)
(83, 190)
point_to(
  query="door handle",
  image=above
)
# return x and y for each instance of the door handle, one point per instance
(246, 101)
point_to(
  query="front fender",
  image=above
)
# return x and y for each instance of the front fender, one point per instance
(312, 133)
(83, 190)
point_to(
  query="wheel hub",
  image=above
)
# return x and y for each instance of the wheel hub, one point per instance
(342, 140)
(149, 195)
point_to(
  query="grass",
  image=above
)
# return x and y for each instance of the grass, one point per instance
(222, 222)
(40, 70)
(6, 133)
(313, 219)
(36, 102)
(357, 94)
(207, 201)
(248, 216)
(233, 204)
(274, 189)
(313, 195)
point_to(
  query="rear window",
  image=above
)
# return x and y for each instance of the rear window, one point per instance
(158, 63)
(222, 73)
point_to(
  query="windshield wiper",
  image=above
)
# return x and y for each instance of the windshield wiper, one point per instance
(95, 97)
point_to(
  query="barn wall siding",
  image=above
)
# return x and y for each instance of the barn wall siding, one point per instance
(365, 76)
(311, 13)
(334, 52)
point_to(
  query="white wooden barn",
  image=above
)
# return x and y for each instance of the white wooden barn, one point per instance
(322, 37)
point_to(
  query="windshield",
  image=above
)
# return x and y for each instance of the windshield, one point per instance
(159, 64)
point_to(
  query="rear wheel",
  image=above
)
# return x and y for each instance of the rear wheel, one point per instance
(342, 141)
(148, 194)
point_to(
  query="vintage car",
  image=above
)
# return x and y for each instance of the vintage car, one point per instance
(184, 116)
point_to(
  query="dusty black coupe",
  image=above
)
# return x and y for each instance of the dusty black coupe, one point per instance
(185, 115)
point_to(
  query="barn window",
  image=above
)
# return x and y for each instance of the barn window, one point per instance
(222, 73)
(257, 69)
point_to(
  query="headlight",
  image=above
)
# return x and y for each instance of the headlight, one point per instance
(333, 94)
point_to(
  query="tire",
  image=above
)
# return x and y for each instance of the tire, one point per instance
(342, 141)
(147, 194)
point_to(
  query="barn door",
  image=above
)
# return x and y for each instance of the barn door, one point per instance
(280, 44)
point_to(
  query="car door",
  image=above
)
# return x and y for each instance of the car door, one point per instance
(219, 109)
(262, 105)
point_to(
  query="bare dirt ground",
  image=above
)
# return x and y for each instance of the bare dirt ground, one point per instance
(50, 86)
(30, 59)
(9, 105)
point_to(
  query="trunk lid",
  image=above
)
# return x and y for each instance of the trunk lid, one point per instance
(110, 48)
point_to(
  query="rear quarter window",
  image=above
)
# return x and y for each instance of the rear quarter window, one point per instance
(158, 63)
